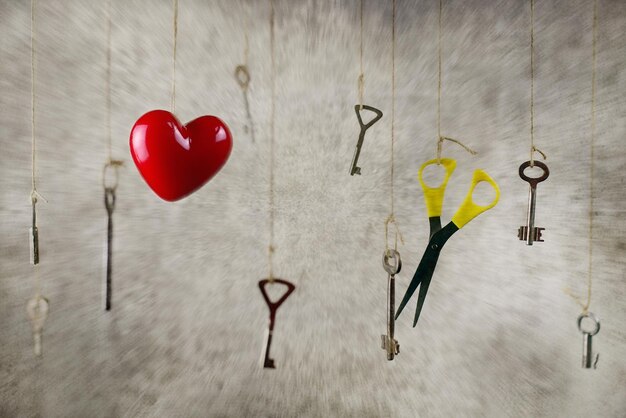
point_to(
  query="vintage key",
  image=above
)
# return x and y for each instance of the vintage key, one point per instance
(588, 358)
(354, 169)
(530, 232)
(37, 309)
(242, 75)
(392, 263)
(268, 362)
(109, 204)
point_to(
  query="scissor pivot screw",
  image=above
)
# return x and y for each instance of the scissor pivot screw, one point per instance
(434, 246)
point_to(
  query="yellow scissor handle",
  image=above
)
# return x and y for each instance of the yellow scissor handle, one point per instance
(434, 196)
(468, 209)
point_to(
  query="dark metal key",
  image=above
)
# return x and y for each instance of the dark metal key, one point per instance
(268, 362)
(354, 169)
(109, 204)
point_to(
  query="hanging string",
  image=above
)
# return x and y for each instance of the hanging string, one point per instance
(391, 219)
(393, 100)
(175, 28)
(441, 138)
(242, 75)
(108, 84)
(361, 79)
(533, 148)
(246, 41)
(34, 195)
(584, 304)
(439, 80)
(270, 249)
(110, 162)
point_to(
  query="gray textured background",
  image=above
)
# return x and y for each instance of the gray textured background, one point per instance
(497, 335)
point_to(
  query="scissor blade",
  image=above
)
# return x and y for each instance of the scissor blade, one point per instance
(426, 268)
(424, 271)
(422, 296)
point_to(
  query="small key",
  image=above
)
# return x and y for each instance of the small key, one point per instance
(34, 239)
(37, 309)
(589, 360)
(243, 79)
(392, 263)
(354, 169)
(109, 204)
(268, 362)
(530, 232)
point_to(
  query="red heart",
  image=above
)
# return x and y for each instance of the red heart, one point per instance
(174, 159)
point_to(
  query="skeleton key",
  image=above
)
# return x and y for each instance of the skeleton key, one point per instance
(392, 263)
(530, 232)
(109, 204)
(242, 75)
(588, 358)
(37, 309)
(354, 169)
(268, 362)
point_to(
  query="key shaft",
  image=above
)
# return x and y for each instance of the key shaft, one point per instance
(109, 203)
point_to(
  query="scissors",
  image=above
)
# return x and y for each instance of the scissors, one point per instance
(438, 235)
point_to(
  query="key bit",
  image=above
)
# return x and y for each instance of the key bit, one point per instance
(522, 233)
(391, 345)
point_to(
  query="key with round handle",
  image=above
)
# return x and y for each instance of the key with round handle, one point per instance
(529, 232)
(392, 263)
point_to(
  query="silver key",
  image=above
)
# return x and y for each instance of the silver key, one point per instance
(392, 263)
(530, 232)
(589, 360)
(37, 309)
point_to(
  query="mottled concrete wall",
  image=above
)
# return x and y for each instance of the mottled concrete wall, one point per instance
(497, 335)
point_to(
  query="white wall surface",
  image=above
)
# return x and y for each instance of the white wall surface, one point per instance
(497, 336)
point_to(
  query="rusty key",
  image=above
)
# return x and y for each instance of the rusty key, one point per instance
(268, 362)
(392, 263)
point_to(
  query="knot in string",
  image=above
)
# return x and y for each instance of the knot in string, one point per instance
(445, 138)
(114, 164)
(533, 150)
(35, 195)
(361, 81)
(243, 76)
(391, 219)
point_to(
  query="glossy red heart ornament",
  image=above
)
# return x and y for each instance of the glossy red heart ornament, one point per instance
(174, 159)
